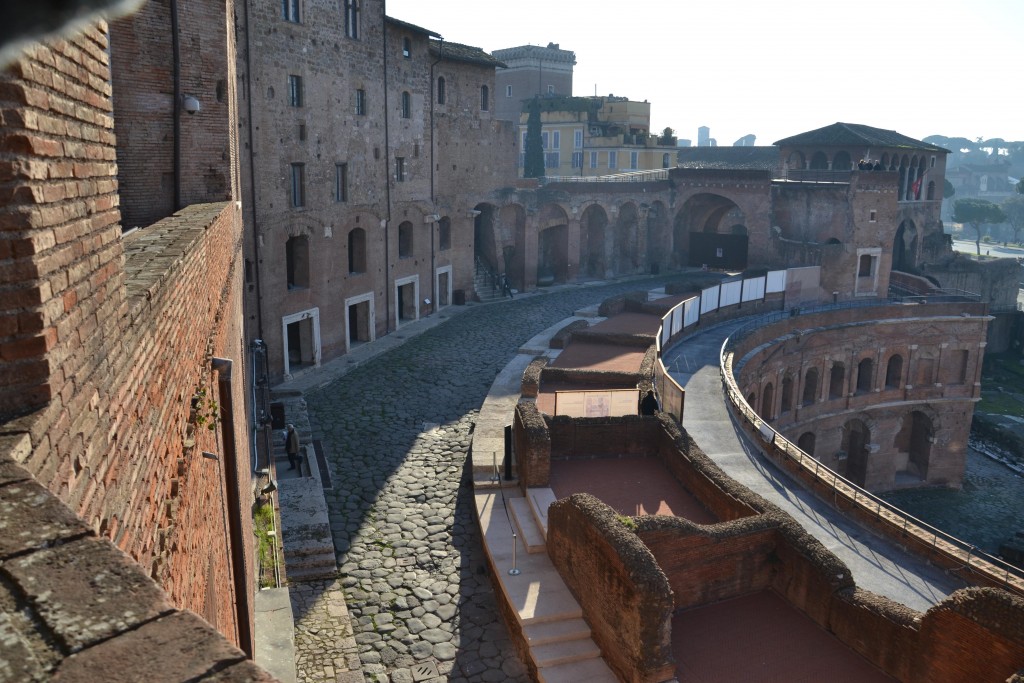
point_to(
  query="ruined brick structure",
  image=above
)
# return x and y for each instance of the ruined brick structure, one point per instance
(122, 400)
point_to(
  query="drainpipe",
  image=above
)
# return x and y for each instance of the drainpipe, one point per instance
(252, 178)
(176, 96)
(433, 201)
(222, 366)
(387, 180)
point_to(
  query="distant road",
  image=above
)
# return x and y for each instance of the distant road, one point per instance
(992, 249)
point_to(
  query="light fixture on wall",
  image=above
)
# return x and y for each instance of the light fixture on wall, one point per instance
(191, 104)
(431, 218)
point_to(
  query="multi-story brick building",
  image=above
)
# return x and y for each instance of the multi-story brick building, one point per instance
(369, 143)
(531, 70)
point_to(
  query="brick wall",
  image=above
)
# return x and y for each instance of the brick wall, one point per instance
(107, 340)
(625, 596)
(533, 445)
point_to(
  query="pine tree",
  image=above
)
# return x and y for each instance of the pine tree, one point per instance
(533, 166)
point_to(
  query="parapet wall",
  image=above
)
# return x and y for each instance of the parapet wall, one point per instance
(624, 594)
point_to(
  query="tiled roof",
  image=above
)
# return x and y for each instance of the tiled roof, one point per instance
(463, 53)
(855, 134)
(412, 27)
(740, 158)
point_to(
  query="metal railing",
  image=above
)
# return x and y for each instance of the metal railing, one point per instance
(802, 175)
(630, 177)
(956, 550)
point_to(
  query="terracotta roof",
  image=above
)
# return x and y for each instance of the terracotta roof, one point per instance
(759, 158)
(855, 134)
(463, 53)
(412, 27)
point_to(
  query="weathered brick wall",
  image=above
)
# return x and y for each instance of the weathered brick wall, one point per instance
(533, 445)
(883, 631)
(625, 596)
(976, 634)
(109, 349)
(601, 437)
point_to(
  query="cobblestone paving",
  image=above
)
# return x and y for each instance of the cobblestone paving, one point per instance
(396, 432)
(324, 647)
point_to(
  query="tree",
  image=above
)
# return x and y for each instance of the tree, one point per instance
(948, 190)
(667, 137)
(533, 165)
(977, 213)
(1019, 186)
(1013, 207)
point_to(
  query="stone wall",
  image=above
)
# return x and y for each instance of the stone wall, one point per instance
(625, 596)
(533, 445)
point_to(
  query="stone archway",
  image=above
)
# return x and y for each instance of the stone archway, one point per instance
(715, 232)
(552, 245)
(625, 256)
(510, 236)
(658, 247)
(904, 247)
(856, 439)
(593, 230)
(484, 245)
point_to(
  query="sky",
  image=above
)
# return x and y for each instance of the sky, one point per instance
(773, 68)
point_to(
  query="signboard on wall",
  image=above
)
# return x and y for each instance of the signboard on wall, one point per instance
(601, 403)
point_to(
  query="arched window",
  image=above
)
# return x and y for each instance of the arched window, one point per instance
(894, 372)
(835, 380)
(810, 386)
(865, 372)
(406, 105)
(440, 90)
(485, 98)
(297, 261)
(767, 396)
(806, 442)
(787, 394)
(405, 245)
(444, 233)
(357, 251)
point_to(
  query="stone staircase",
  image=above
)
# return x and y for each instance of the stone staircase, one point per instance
(559, 640)
(485, 291)
(305, 526)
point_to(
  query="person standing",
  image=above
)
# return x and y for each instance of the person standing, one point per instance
(291, 446)
(506, 286)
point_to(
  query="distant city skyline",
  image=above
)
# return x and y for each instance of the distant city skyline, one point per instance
(773, 69)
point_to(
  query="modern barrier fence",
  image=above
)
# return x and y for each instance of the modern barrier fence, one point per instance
(682, 320)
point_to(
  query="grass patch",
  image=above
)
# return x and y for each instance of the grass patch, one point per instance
(263, 524)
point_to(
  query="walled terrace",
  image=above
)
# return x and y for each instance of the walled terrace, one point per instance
(642, 560)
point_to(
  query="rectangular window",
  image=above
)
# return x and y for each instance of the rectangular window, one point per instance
(341, 182)
(593, 160)
(352, 19)
(298, 185)
(551, 160)
(295, 91)
(508, 91)
(613, 160)
(400, 169)
(290, 10)
(577, 139)
(634, 160)
(874, 217)
(524, 141)
(360, 102)
(544, 139)
(577, 159)
(551, 90)
(556, 140)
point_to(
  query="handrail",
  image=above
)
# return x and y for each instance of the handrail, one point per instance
(628, 177)
(974, 559)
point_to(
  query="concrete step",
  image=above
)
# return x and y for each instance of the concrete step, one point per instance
(540, 499)
(555, 631)
(589, 670)
(317, 555)
(483, 481)
(529, 533)
(565, 652)
(295, 574)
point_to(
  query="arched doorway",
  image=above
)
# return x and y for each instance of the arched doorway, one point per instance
(484, 245)
(806, 443)
(921, 434)
(856, 438)
(710, 222)
(658, 247)
(552, 245)
(593, 226)
(625, 252)
(904, 247)
(510, 236)
(767, 397)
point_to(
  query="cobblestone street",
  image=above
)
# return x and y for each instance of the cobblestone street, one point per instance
(396, 431)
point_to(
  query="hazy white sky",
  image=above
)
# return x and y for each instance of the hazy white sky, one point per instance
(773, 68)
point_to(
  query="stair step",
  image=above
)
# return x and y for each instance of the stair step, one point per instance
(529, 532)
(540, 499)
(546, 632)
(310, 573)
(317, 556)
(589, 670)
(565, 652)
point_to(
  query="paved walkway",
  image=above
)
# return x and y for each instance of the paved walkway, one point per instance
(877, 565)
(396, 432)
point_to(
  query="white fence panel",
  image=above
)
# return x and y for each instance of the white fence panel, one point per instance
(731, 293)
(776, 281)
(753, 289)
(691, 312)
(709, 299)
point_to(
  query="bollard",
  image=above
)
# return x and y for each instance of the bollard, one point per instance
(494, 468)
(515, 570)
(508, 452)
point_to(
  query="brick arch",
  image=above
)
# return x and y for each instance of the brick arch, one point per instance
(510, 241)
(714, 215)
(658, 237)
(626, 256)
(552, 244)
(593, 241)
